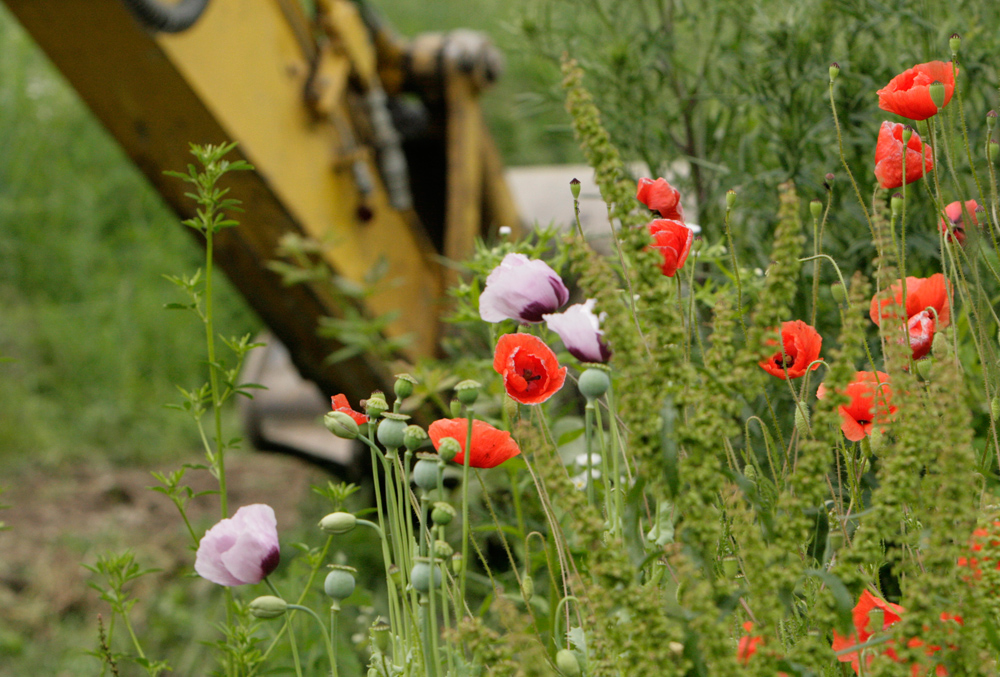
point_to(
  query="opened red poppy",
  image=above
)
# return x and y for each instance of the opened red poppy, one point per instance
(673, 240)
(953, 222)
(908, 93)
(530, 370)
(922, 295)
(490, 447)
(889, 156)
(870, 396)
(801, 345)
(661, 197)
(892, 613)
(340, 403)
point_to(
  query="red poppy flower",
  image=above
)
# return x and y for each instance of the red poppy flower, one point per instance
(860, 415)
(340, 403)
(953, 222)
(892, 613)
(530, 370)
(673, 240)
(922, 293)
(490, 447)
(907, 94)
(748, 644)
(801, 347)
(661, 197)
(889, 156)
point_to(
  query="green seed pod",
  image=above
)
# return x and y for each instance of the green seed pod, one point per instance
(396, 574)
(442, 550)
(838, 292)
(936, 90)
(456, 409)
(991, 120)
(907, 134)
(593, 383)
(449, 448)
(925, 367)
(425, 475)
(338, 522)
(816, 208)
(467, 392)
(834, 71)
(375, 405)
(414, 437)
(994, 151)
(995, 408)
(404, 386)
(420, 576)
(954, 43)
(939, 345)
(527, 587)
(442, 514)
(896, 204)
(380, 634)
(802, 422)
(567, 664)
(339, 583)
(390, 432)
(876, 441)
(574, 188)
(730, 198)
(456, 563)
(341, 425)
(268, 606)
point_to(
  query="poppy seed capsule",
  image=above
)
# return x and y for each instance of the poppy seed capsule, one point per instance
(425, 475)
(404, 385)
(936, 90)
(896, 204)
(442, 514)
(834, 71)
(816, 208)
(414, 437)
(380, 633)
(991, 120)
(907, 135)
(268, 606)
(567, 663)
(420, 577)
(954, 42)
(339, 583)
(467, 392)
(442, 549)
(456, 562)
(375, 405)
(448, 449)
(341, 425)
(925, 367)
(730, 198)
(338, 523)
(574, 188)
(390, 433)
(593, 383)
(456, 408)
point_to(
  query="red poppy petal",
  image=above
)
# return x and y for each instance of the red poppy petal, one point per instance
(490, 447)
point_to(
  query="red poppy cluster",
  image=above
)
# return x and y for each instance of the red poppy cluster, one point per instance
(926, 309)
(984, 551)
(870, 404)
(891, 614)
(671, 236)
(800, 348)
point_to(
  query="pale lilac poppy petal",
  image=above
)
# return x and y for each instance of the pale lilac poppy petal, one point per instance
(580, 331)
(521, 289)
(242, 549)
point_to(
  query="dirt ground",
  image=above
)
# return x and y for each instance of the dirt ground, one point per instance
(58, 521)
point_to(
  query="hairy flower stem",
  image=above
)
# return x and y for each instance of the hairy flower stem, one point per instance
(466, 459)
(736, 274)
(589, 432)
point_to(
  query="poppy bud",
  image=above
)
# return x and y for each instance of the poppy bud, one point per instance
(509, 407)
(414, 436)
(925, 367)
(991, 120)
(268, 606)
(834, 71)
(574, 188)
(838, 292)
(954, 42)
(456, 408)
(449, 448)
(341, 425)
(567, 663)
(338, 523)
(442, 514)
(527, 587)
(994, 150)
(936, 90)
(816, 208)
(593, 383)
(876, 441)
(390, 430)
(730, 198)
(339, 583)
(442, 549)
(896, 203)
(425, 475)
(939, 344)
(802, 420)
(995, 408)
(467, 392)
(456, 562)
(376, 404)
(907, 135)
(404, 385)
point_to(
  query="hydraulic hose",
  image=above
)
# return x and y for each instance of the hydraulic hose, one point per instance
(166, 17)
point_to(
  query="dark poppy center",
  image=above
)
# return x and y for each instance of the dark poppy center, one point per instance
(862, 421)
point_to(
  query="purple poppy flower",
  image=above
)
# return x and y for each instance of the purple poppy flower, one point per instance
(580, 331)
(521, 289)
(242, 549)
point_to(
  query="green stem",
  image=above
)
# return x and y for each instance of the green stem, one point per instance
(466, 459)
(326, 637)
